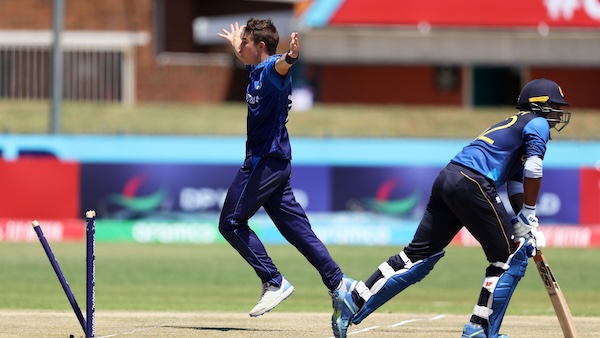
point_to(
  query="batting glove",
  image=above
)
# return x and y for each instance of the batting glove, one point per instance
(540, 238)
(535, 240)
(526, 221)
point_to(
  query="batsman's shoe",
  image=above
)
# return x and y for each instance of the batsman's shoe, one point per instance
(271, 296)
(477, 331)
(343, 307)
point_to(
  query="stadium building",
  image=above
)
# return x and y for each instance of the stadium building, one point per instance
(429, 52)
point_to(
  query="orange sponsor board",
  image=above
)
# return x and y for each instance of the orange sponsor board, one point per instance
(55, 230)
(566, 236)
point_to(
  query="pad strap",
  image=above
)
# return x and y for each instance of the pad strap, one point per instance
(386, 270)
(363, 291)
(407, 262)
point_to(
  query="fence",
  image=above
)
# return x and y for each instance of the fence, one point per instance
(97, 66)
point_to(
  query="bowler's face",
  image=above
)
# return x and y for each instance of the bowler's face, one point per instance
(249, 50)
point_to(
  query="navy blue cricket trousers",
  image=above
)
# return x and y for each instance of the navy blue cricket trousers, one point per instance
(265, 182)
(463, 197)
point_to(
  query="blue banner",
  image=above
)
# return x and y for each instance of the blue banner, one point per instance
(184, 191)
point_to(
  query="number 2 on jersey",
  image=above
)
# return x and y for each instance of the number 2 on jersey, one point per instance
(509, 122)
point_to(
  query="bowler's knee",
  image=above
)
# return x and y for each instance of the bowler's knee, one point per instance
(225, 225)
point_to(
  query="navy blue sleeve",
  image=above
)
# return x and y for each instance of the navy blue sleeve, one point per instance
(273, 76)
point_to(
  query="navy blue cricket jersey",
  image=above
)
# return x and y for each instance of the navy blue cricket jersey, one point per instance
(499, 153)
(269, 99)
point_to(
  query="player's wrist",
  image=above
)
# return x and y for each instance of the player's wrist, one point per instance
(290, 59)
(528, 210)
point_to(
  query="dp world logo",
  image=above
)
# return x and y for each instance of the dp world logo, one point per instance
(131, 199)
(386, 202)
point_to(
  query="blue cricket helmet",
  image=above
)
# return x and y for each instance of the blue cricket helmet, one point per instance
(541, 91)
(537, 95)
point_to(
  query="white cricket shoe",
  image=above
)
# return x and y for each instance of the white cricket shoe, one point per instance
(271, 296)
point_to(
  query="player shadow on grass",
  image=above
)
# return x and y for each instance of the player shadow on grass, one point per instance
(222, 329)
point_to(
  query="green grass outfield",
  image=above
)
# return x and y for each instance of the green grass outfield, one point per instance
(385, 121)
(155, 277)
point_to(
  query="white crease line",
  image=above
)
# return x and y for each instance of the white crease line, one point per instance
(394, 325)
(363, 330)
(437, 317)
(414, 320)
(404, 322)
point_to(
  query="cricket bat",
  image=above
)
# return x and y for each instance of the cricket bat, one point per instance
(556, 296)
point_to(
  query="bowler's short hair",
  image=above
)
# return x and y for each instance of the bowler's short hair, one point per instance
(263, 30)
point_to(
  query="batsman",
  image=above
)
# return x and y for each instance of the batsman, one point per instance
(465, 193)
